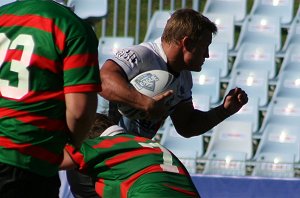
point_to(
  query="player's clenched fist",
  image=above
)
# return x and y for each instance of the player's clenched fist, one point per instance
(235, 100)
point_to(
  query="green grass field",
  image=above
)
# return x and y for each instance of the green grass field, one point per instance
(143, 18)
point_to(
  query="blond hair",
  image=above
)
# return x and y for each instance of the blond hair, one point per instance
(187, 22)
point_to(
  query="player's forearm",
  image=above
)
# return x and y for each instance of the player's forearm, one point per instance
(118, 90)
(80, 114)
(200, 122)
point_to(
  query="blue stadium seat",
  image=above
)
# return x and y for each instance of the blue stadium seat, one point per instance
(231, 136)
(218, 58)
(282, 111)
(157, 24)
(280, 138)
(225, 163)
(108, 46)
(254, 82)
(280, 8)
(207, 82)
(288, 85)
(89, 9)
(293, 36)
(260, 29)
(229, 148)
(236, 8)
(256, 56)
(201, 101)
(276, 165)
(291, 58)
(248, 113)
(226, 28)
(186, 149)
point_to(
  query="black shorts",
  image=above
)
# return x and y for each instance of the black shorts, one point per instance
(81, 185)
(19, 183)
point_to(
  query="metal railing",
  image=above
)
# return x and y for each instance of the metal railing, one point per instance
(123, 15)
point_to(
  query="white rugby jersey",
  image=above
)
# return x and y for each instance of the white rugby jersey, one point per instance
(150, 56)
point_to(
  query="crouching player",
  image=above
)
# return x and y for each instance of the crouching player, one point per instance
(124, 165)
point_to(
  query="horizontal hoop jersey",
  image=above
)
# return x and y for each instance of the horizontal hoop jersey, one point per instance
(137, 59)
(130, 166)
(46, 51)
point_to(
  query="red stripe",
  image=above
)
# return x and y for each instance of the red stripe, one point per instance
(131, 154)
(13, 55)
(36, 60)
(41, 122)
(99, 187)
(125, 186)
(45, 63)
(82, 88)
(34, 151)
(140, 139)
(35, 21)
(34, 96)
(184, 191)
(77, 157)
(80, 60)
(108, 143)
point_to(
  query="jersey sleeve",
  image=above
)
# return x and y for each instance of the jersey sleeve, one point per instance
(134, 60)
(81, 67)
(87, 157)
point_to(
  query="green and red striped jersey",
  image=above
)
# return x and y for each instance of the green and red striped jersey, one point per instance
(130, 166)
(46, 51)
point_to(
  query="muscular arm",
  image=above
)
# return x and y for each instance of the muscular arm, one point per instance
(116, 88)
(191, 122)
(80, 114)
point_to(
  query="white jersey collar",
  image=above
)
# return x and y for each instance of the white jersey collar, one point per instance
(160, 49)
(156, 46)
(112, 131)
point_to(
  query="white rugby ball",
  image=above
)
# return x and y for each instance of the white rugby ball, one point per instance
(149, 83)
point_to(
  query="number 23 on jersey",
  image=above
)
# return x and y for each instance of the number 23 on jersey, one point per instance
(19, 66)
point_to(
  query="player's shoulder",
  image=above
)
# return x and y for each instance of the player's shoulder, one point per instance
(141, 50)
(135, 54)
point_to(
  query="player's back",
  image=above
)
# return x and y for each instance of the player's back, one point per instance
(36, 64)
(132, 166)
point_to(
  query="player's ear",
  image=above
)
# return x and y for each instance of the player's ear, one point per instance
(187, 43)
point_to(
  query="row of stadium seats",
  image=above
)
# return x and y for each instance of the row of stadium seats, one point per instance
(230, 150)
(238, 8)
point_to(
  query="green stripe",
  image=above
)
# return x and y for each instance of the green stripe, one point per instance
(27, 162)
(150, 185)
(77, 46)
(20, 132)
(83, 76)
(53, 109)
(39, 36)
(44, 80)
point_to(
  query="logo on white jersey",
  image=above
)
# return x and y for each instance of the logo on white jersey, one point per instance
(128, 56)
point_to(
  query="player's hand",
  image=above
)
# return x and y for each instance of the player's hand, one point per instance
(159, 107)
(235, 100)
